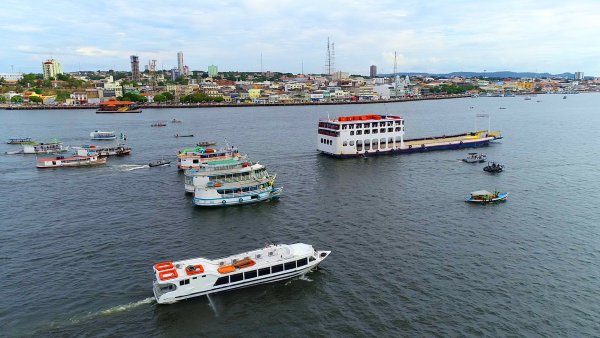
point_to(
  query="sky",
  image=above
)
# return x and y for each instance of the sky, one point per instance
(429, 36)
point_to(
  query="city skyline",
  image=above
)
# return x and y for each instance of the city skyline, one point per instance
(433, 37)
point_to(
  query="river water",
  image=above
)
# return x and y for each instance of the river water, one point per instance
(409, 256)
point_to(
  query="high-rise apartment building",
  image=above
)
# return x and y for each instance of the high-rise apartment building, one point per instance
(51, 68)
(578, 75)
(135, 68)
(180, 64)
(213, 70)
(373, 72)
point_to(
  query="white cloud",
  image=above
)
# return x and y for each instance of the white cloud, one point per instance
(433, 36)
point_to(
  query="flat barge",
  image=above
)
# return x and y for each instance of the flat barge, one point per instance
(369, 135)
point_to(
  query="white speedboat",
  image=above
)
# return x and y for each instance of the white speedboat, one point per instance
(475, 157)
(175, 281)
(103, 135)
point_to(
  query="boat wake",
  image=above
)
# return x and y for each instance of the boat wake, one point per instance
(113, 310)
(130, 167)
(304, 278)
(212, 305)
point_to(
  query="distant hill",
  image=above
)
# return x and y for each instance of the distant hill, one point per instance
(501, 74)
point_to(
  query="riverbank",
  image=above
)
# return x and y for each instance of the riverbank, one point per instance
(229, 105)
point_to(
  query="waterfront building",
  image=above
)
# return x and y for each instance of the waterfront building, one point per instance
(253, 93)
(51, 68)
(373, 71)
(213, 70)
(135, 68)
(11, 77)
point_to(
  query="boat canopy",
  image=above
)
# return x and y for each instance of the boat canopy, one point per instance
(481, 193)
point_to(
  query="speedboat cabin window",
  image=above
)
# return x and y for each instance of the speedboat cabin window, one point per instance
(350, 126)
(390, 130)
(382, 130)
(397, 128)
(264, 271)
(277, 268)
(367, 131)
(359, 132)
(302, 262)
(352, 132)
(290, 265)
(344, 127)
(222, 280)
(312, 259)
(184, 282)
(375, 143)
(250, 274)
(351, 142)
(375, 131)
(345, 143)
(367, 144)
(236, 278)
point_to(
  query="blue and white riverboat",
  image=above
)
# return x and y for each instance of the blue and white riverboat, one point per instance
(223, 174)
(225, 193)
(179, 280)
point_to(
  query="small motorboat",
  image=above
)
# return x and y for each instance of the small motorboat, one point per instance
(493, 167)
(159, 163)
(206, 143)
(502, 108)
(564, 97)
(188, 135)
(484, 196)
(475, 158)
(175, 121)
(158, 124)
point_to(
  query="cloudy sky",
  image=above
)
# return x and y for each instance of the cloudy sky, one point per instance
(429, 36)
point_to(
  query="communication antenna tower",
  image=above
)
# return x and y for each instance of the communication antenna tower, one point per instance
(330, 58)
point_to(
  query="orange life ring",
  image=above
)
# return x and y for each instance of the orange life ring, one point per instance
(167, 274)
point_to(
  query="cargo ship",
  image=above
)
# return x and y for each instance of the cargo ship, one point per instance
(368, 135)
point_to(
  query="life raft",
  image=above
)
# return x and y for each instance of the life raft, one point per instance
(167, 274)
(191, 270)
(163, 266)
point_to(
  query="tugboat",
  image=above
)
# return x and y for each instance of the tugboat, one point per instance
(484, 196)
(474, 158)
(493, 167)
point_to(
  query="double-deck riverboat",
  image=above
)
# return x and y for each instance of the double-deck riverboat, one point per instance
(366, 135)
(103, 135)
(52, 147)
(179, 280)
(81, 159)
(119, 150)
(215, 194)
(240, 171)
(192, 158)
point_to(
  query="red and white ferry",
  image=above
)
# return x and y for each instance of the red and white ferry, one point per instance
(366, 135)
